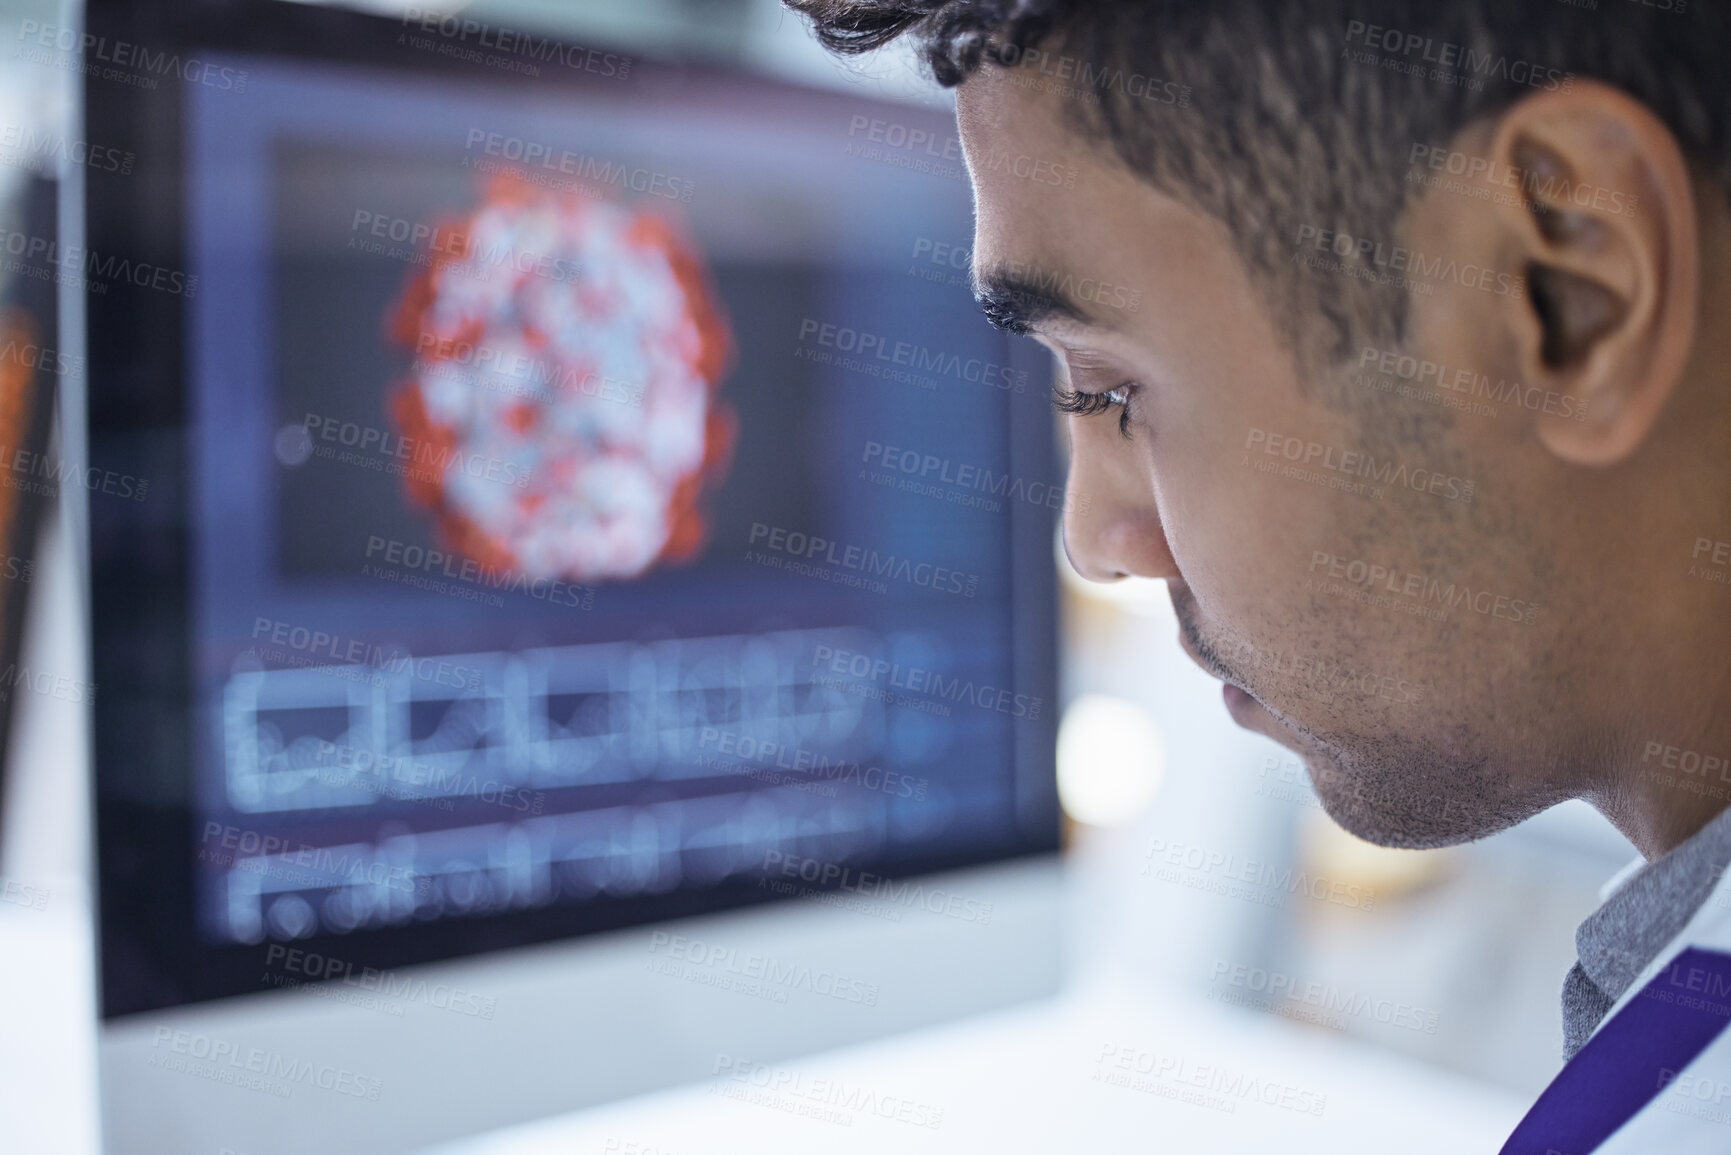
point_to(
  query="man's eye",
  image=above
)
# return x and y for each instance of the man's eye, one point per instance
(1081, 404)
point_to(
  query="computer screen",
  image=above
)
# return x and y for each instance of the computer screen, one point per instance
(573, 504)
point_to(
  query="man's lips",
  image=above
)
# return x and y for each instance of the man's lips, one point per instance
(1238, 700)
(1184, 644)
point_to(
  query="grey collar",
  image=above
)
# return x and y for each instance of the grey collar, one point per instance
(1617, 941)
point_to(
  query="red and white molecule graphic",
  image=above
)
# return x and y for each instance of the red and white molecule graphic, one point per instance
(568, 353)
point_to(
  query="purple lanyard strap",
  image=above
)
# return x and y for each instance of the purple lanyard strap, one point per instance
(1630, 1059)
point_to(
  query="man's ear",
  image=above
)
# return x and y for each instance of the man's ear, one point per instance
(1602, 226)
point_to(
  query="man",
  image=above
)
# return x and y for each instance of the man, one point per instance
(1425, 379)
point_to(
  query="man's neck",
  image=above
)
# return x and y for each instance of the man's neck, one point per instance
(1668, 792)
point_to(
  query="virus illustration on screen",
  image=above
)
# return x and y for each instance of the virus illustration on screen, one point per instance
(562, 407)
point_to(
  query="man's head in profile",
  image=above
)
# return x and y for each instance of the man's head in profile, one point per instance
(1394, 337)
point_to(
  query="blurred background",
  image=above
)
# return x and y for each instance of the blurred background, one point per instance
(1427, 985)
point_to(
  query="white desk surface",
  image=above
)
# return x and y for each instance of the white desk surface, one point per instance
(48, 1028)
(1024, 1081)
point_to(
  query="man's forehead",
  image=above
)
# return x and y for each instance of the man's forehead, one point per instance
(1030, 168)
(992, 102)
(1001, 123)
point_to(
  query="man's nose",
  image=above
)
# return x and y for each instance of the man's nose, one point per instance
(1112, 526)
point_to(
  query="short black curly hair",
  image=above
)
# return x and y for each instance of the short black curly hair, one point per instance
(1271, 115)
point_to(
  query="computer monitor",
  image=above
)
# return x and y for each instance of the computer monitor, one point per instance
(573, 496)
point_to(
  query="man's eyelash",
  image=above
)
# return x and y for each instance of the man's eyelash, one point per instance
(1080, 404)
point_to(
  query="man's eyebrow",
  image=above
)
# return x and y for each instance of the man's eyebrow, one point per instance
(1018, 300)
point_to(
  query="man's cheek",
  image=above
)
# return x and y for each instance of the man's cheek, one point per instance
(1253, 535)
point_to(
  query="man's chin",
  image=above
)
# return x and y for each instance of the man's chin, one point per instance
(1387, 803)
(1398, 816)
